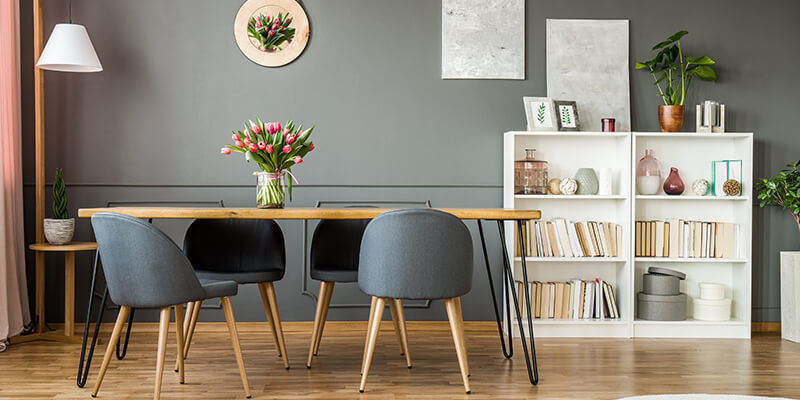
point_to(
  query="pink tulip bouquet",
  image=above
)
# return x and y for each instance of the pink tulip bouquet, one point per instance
(271, 31)
(275, 149)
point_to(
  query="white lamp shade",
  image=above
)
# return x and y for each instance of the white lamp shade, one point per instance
(69, 49)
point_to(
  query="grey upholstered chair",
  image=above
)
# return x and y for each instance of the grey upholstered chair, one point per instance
(144, 268)
(416, 254)
(335, 249)
(240, 250)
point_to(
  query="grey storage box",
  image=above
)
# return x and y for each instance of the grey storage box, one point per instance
(662, 308)
(663, 285)
(666, 271)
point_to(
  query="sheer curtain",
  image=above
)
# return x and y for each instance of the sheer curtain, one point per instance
(14, 312)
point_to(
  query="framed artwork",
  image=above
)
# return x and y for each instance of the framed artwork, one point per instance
(540, 113)
(567, 115)
(271, 33)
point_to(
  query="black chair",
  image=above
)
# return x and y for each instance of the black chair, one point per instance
(240, 250)
(144, 268)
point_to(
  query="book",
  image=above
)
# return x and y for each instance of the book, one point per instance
(551, 237)
(563, 237)
(674, 229)
(573, 237)
(658, 249)
(620, 240)
(559, 300)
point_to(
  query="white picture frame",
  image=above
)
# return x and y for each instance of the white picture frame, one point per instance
(567, 115)
(540, 113)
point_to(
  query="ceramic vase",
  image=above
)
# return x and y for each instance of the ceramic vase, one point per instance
(670, 118)
(674, 185)
(648, 174)
(587, 181)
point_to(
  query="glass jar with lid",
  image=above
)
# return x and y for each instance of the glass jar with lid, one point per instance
(530, 174)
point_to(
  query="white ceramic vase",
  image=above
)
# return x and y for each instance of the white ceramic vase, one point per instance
(59, 231)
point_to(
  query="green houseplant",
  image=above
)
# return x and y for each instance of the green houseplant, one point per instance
(676, 71)
(59, 229)
(783, 191)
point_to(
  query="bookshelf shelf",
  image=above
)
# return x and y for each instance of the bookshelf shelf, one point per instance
(576, 322)
(690, 322)
(573, 259)
(692, 198)
(691, 260)
(568, 197)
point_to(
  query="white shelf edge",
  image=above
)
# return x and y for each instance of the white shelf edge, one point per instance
(553, 321)
(570, 133)
(702, 198)
(573, 259)
(690, 260)
(690, 322)
(569, 197)
(728, 135)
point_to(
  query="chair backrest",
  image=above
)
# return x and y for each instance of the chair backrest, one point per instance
(143, 267)
(416, 254)
(337, 242)
(235, 245)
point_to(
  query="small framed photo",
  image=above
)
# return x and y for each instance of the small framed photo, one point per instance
(567, 115)
(540, 113)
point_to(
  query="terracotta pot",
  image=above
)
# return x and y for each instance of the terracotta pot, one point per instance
(670, 118)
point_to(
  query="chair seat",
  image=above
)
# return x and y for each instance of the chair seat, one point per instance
(218, 288)
(334, 274)
(270, 275)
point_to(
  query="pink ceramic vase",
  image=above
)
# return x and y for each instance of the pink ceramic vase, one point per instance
(673, 185)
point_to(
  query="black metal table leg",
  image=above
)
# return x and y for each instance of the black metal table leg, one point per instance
(83, 371)
(508, 351)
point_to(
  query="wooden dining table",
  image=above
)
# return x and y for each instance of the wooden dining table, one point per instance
(498, 215)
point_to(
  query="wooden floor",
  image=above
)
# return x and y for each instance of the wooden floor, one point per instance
(570, 368)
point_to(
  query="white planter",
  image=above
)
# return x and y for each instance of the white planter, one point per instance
(790, 295)
(59, 231)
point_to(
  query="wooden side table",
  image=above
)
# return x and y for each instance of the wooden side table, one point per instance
(69, 293)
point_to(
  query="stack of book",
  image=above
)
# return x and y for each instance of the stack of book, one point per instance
(562, 238)
(677, 238)
(576, 299)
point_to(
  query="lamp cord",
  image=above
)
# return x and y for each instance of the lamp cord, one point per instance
(70, 11)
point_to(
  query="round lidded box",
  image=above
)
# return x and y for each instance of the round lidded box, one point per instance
(711, 291)
(712, 310)
(662, 308)
(661, 284)
(666, 271)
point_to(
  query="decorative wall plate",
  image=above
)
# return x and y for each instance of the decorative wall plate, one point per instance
(271, 33)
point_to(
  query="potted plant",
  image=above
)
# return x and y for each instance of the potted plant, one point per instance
(275, 149)
(59, 229)
(676, 71)
(784, 191)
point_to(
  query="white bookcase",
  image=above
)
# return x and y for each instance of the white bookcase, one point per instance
(692, 154)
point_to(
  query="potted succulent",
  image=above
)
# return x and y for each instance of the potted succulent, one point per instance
(784, 191)
(59, 229)
(676, 71)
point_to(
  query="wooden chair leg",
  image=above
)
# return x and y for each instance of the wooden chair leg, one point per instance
(163, 330)
(179, 332)
(458, 338)
(121, 317)
(237, 350)
(328, 297)
(316, 332)
(276, 320)
(268, 310)
(187, 322)
(372, 337)
(399, 316)
(372, 310)
(187, 340)
(463, 336)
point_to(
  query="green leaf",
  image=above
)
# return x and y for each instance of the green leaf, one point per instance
(641, 65)
(704, 60)
(704, 72)
(677, 36)
(662, 44)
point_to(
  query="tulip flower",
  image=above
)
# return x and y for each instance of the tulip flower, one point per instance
(269, 18)
(312, 147)
(262, 145)
(247, 141)
(258, 22)
(252, 147)
(275, 26)
(271, 33)
(235, 137)
(277, 126)
(287, 149)
(255, 129)
(238, 143)
(290, 139)
(225, 150)
(285, 132)
(268, 148)
(288, 21)
(297, 160)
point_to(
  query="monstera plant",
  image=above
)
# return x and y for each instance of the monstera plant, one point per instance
(783, 191)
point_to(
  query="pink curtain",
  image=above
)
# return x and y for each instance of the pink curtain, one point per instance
(14, 312)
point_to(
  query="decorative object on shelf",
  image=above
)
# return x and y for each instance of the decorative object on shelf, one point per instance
(722, 171)
(700, 187)
(567, 115)
(605, 181)
(648, 174)
(587, 181)
(660, 298)
(553, 186)
(710, 117)
(712, 304)
(609, 124)
(530, 174)
(671, 66)
(61, 228)
(731, 187)
(790, 295)
(271, 33)
(540, 113)
(275, 149)
(673, 185)
(568, 186)
(588, 61)
(782, 191)
(470, 52)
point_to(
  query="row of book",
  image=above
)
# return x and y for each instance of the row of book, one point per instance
(575, 299)
(562, 238)
(677, 238)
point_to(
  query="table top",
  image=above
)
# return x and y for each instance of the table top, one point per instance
(73, 246)
(299, 213)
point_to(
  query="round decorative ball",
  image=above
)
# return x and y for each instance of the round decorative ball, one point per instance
(732, 187)
(700, 187)
(587, 181)
(568, 186)
(553, 186)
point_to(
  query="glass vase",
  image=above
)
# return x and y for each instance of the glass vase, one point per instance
(270, 191)
(530, 174)
(648, 174)
(674, 185)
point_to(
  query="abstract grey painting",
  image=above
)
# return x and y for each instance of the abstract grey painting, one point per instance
(483, 39)
(587, 61)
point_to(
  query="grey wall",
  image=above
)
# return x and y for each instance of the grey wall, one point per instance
(150, 126)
